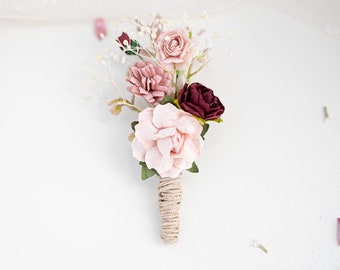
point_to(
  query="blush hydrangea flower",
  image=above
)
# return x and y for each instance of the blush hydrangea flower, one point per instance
(167, 139)
(149, 82)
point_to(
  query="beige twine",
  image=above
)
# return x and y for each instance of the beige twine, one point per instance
(169, 202)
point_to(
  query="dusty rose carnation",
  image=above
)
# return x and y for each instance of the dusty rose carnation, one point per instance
(149, 82)
(174, 49)
(167, 139)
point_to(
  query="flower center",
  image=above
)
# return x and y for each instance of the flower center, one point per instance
(173, 44)
(177, 142)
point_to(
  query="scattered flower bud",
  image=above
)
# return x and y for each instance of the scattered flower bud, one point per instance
(100, 28)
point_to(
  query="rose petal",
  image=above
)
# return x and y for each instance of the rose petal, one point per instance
(164, 146)
(189, 125)
(161, 117)
(145, 132)
(154, 159)
(166, 132)
(173, 172)
(138, 150)
(145, 115)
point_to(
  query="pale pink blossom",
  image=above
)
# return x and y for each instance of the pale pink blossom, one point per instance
(174, 49)
(149, 82)
(167, 139)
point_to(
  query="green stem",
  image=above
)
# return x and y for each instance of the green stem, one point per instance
(194, 73)
(189, 73)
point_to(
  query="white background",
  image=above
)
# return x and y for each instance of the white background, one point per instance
(70, 191)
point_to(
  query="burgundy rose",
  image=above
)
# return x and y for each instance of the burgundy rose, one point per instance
(200, 101)
(128, 45)
(124, 40)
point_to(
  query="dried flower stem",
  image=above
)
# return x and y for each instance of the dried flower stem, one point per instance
(126, 103)
(189, 74)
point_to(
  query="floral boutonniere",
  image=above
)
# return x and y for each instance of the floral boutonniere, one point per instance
(168, 134)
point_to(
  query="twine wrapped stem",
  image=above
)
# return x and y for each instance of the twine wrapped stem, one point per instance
(169, 202)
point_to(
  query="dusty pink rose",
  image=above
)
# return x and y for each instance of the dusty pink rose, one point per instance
(167, 139)
(149, 82)
(174, 49)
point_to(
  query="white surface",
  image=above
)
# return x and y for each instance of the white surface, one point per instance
(323, 15)
(70, 192)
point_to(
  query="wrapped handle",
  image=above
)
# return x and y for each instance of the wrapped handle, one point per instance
(169, 202)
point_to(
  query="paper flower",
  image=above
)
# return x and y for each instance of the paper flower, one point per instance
(200, 101)
(174, 49)
(167, 140)
(169, 134)
(149, 82)
(124, 40)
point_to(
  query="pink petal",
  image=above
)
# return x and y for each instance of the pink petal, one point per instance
(145, 132)
(157, 78)
(100, 28)
(182, 163)
(166, 132)
(189, 125)
(134, 81)
(145, 115)
(164, 146)
(158, 93)
(154, 159)
(165, 115)
(173, 172)
(138, 151)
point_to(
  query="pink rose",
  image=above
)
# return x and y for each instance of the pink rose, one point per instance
(167, 139)
(149, 82)
(174, 49)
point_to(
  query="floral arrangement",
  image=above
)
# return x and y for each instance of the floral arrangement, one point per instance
(168, 135)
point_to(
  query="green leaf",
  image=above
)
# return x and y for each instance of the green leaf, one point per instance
(194, 168)
(146, 172)
(134, 43)
(176, 103)
(204, 130)
(129, 52)
(133, 49)
(167, 99)
(218, 120)
(133, 124)
(190, 34)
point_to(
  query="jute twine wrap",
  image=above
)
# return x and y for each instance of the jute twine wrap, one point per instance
(169, 202)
